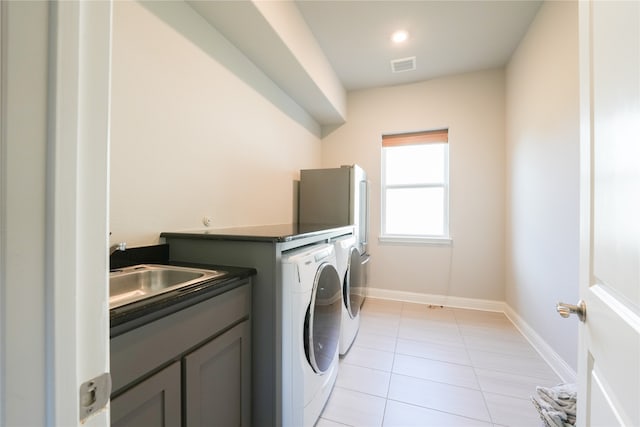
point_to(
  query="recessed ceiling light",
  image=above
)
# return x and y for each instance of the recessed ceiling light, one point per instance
(399, 36)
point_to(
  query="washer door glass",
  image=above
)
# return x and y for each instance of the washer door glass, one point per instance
(352, 292)
(322, 323)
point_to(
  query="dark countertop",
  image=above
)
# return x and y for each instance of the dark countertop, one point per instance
(261, 233)
(131, 316)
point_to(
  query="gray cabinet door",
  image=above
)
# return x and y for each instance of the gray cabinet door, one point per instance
(153, 402)
(218, 381)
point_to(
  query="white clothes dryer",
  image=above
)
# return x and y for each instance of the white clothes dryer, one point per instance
(311, 315)
(349, 270)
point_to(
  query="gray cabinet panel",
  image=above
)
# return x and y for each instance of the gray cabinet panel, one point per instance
(218, 379)
(264, 257)
(210, 346)
(154, 402)
(141, 350)
(266, 310)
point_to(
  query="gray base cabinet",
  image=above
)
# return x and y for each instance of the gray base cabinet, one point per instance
(266, 315)
(154, 402)
(191, 368)
(216, 381)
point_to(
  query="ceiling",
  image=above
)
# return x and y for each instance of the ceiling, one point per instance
(446, 37)
(317, 50)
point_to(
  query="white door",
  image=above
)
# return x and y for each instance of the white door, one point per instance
(54, 129)
(609, 346)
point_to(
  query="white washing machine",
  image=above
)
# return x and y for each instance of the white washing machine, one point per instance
(349, 270)
(311, 315)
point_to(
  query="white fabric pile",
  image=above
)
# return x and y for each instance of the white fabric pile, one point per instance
(556, 405)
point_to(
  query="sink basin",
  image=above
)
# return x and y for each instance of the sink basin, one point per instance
(132, 284)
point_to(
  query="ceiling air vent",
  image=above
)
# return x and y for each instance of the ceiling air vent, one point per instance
(403, 64)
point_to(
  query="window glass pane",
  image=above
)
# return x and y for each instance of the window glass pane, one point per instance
(412, 164)
(417, 211)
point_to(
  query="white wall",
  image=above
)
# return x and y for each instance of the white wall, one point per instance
(543, 176)
(472, 107)
(197, 130)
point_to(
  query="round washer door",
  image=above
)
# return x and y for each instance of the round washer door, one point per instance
(322, 323)
(352, 292)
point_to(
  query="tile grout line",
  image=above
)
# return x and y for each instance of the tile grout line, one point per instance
(459, 321)
(479, 389)
(486, 393)
(393, 362)
(443, 411)
(475, 374)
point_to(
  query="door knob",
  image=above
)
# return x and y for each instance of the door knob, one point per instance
(565, 310)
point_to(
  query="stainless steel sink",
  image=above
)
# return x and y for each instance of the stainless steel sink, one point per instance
(132, 284)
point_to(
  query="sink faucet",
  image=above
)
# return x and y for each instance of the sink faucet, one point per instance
(117, 247)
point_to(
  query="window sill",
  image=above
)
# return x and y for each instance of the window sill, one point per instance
(416, 240)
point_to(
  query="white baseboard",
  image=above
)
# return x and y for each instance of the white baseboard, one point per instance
(449, 301)
(557, 363)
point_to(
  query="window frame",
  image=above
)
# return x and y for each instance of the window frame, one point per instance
(445, 238)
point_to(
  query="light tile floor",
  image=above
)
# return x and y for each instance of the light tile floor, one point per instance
(415, 365)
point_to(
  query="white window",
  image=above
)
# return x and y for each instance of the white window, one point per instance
(415, 186)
